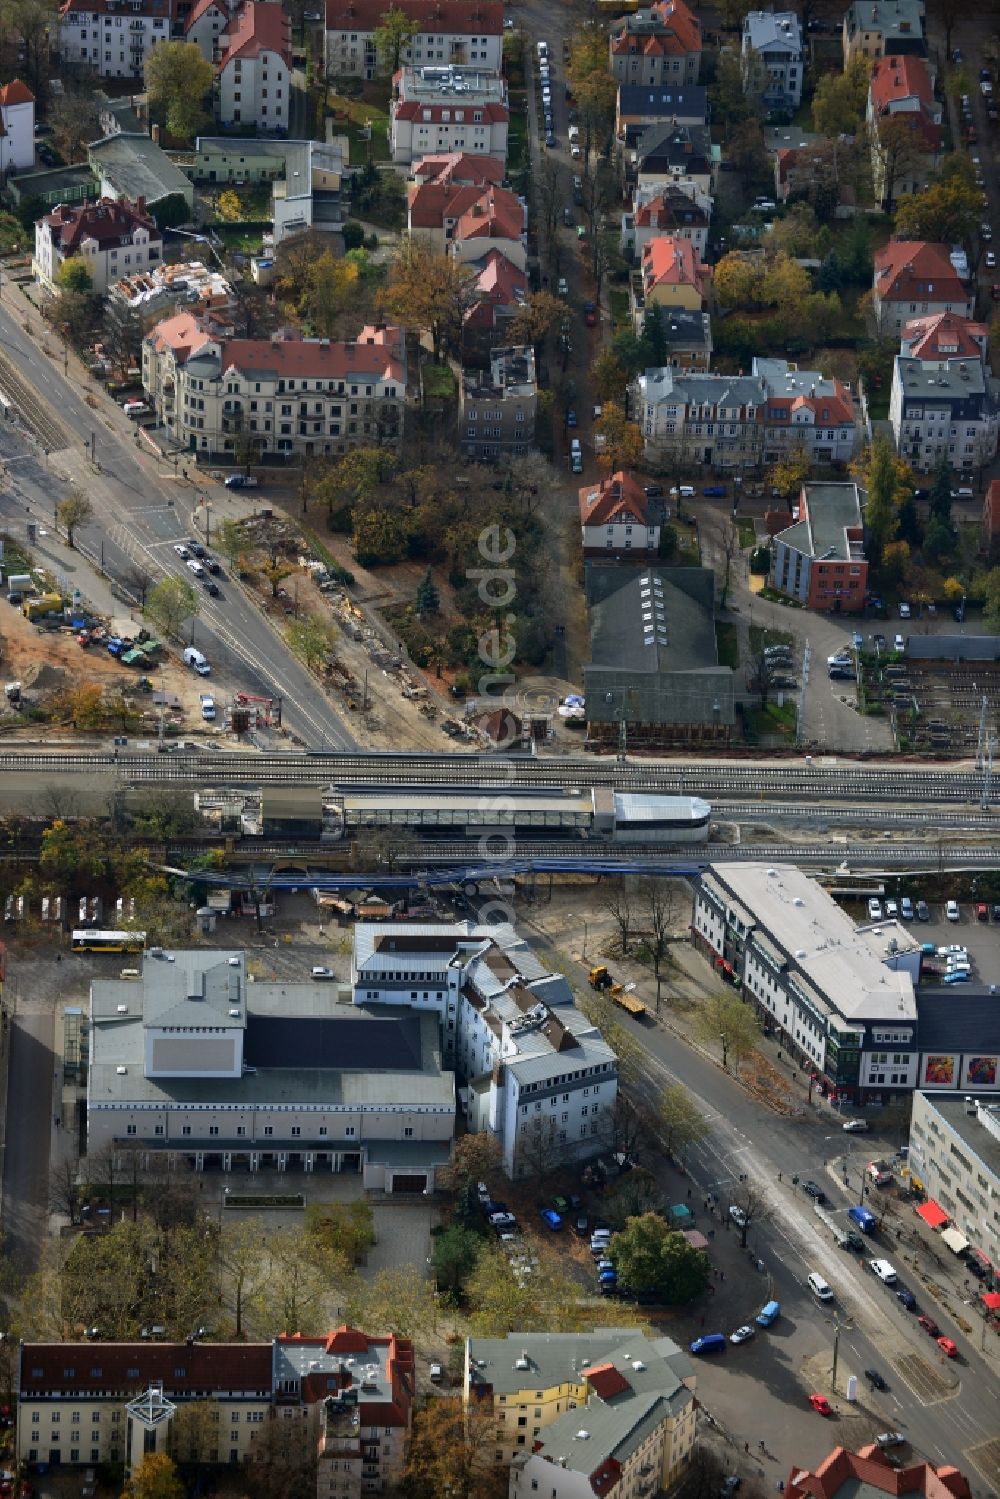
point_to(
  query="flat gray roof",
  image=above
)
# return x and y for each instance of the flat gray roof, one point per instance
(983, 1141)
(137, 167)
(830, 511)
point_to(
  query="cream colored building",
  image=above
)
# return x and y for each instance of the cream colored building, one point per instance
(632, 1396)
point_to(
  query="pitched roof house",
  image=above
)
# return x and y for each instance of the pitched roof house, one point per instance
(914, 278)
(661, 44)
(901, 90)
(618, 519)
(944, 335)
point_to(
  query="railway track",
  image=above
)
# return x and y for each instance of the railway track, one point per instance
(748, 784)
(47, 428)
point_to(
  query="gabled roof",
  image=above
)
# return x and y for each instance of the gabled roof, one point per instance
(500, 286)
(672, 262)
(195, 1369)
(200, 7)
(15, 92)
(671, 207)
(495, 214)
(375, 353)
(255, 29)
(944, 335)
(900, 76)
(666, 29)
(459, 168)
(908, 270)
(154, 8)
(183, 334)
(868, 1471)
(107, 222)
(617, 498)
(454, 17)
(418, 109)
(473, 208)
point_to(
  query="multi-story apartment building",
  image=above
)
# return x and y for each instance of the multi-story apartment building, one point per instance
(682, 212)
(17, 128)
(697, 420)
(112, 238)
(80, 1404)
(445, 110)
(670, 277)
(820, 559)
(206, 21)
(835, 1004)
(583, 1412)
(497, 406)
(618, 519)
(916, 278)
(655, 46)
(842, 1473)
(807, 409)
(469, 222)
(776, 40)
(114, 37)
(875, 28)
(254, 68)
(944, 336)
(901, 91)
(955, 1156)
(192, 1062)
(281, 395)
(680, 154)
(536, 1073)
(638, 107)
(451, 31)
(944, 409)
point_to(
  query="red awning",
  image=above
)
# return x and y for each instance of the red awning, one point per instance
(991, 1299)
(932, 1214)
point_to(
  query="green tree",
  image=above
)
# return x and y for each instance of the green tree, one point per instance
(392, 37)
(831, 274)
(453, 1256)
(940, 495)
(329, 290)
(948, 211)
(341, 1230)
(428, 600)
(378, 536)
(74, 276)
(75, 510)
(938, 541)
(724, 1019)
(840, 99)
(679, 1121)
(155, 1477)
(178, 78)
(881, 479)
(170, 603)
(651, 1256)
(731, 105)
(311, 638)
(452, 1451)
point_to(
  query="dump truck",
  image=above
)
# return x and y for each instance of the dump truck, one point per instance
(619, 994)
(45, 603)
(600, 978)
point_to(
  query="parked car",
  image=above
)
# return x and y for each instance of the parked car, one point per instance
(742, 1334)
(906, 908)
(889, 1438)
(562, 287)
(951, 910)
(891, 910)
(653, 491)
(874, 908)
(551, 1219)
(904, 610)
(821, 1404)
(571, 418)
(590, 314)
(714, 491)
(923, 911)
(857, 1126)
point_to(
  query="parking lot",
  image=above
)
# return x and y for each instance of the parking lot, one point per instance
(981, 938)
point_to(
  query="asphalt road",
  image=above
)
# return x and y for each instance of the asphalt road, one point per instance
(141, 509)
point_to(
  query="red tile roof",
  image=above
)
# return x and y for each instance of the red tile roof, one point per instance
(201, 6)
(830, 409)
(16, 92)
(419, 109)
(255, 29)
(500, 286)
(870, 1467)
(459, 168)
(128, 1368)
(910, 270)
(945, 335)
(495, 214)
(617, 498)
(433, 205)
(605, 1380)
(107, 221)
(454, 17)
(374, 354)
(501, 727)
(680, 33)
(900, 77)
(672, 262)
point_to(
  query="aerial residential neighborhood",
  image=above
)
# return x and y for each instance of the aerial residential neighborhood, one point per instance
(500, 553)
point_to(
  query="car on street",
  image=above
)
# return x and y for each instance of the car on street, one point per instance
(929, 1325)
(482, 1192)
(821, 1404)
(568, 219)
(874, 908)
(550, 140)
(875, 1379)
(181, 550)
(815, 1191)
(590, 314)
(194, 566)
(571, 418)
(709, 1342)
(951, 910)
(551, 1219)
(714, 491)
(653, 491)
(986, 232)
(907, 1298)
(240, 481)
(856, 1126)
(991, 260)
(854, 1242)
(890, 1438)
(948, 1346)
(211, 588)
(562, 287)
(741, 1335)
(738, 1216)
(923, 911)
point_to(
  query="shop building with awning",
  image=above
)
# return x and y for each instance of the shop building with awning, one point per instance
(954, 1148)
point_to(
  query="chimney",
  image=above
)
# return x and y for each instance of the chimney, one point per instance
(140, 203)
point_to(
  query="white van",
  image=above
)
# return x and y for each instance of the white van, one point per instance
(819, 1287)
(193, 658)
(194, 566)
(884, 1270)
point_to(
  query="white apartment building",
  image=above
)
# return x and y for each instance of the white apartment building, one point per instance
(194, 1063)
(807, 409)
(533, 1070)
(822, 984)
(206, 22)
(17, 128)
(282, 395)
(440, 110)
(776, 38)
(700, 420)
(254, 70)
(451, 31)
(114, 37)
(955, 1155)
(112, 238)
(944, 408)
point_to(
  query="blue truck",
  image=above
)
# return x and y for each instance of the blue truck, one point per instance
(863, 1218)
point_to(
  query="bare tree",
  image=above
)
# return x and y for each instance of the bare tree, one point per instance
(751, 1203)
(64, 1188)
(636, 1193)
(138, 582)
(538, 1150)
(730, 545)
(659, 911)
(619, 902)
(759, 678)
(625, 1128)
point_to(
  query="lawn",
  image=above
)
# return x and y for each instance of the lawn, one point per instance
(239, 237)
(620, 317)
(351, 116)
(772, 720)
(439, 381)
(518, 154)
(727, 644)
(747, 533)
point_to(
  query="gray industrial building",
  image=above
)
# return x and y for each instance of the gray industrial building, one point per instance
(654, 677)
